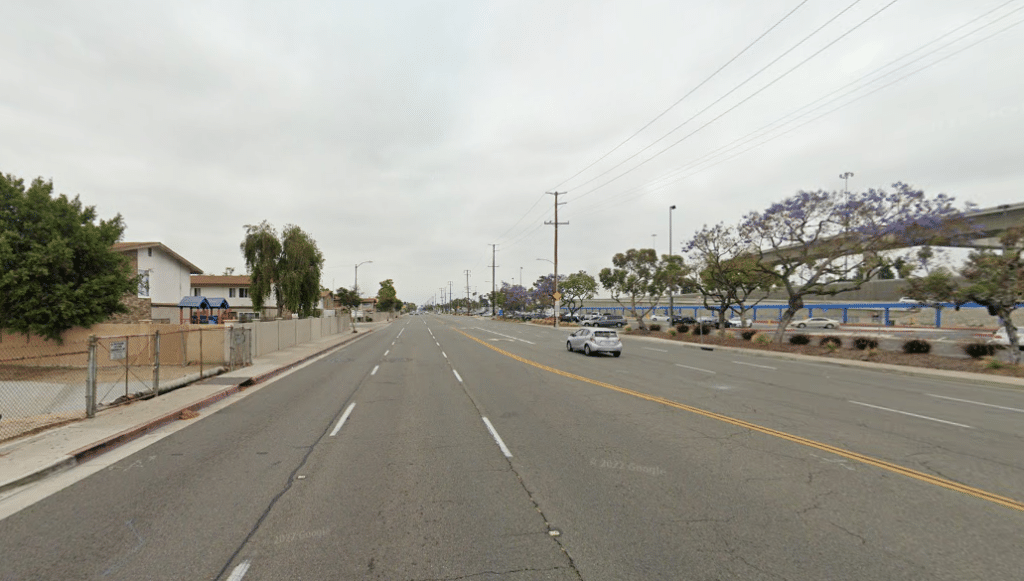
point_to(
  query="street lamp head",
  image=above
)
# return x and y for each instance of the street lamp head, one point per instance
(672, 207)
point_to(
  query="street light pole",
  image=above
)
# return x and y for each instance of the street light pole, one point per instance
(671, 302)
(355, 288)
(845, 176)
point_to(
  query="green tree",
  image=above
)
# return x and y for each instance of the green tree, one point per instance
(262, 251)
(727, 274)
(59, 269)
(387, 298)
(299, 270)
(576, 288)
(347, 297)
(996, 280)
(638, 275)
(290, 267)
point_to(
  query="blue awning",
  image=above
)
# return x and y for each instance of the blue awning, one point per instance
(218, 303)
(194, 302)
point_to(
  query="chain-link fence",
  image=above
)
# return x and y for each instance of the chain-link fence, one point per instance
(43, 384)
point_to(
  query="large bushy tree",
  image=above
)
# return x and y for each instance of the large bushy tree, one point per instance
(826, 243)
(993, 279)
(576, 288)
(638, 276)
(290, 266)
(58, 269)
(387, 297)
(727, 275)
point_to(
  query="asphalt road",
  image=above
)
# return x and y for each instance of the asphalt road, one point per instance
(455, 448)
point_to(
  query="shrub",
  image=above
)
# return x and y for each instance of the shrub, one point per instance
(672, 332)
(762, 339)
(655, 326)
(831, 341)
(994, 363)
(683, 328)
(800, 339)
(702, 329)
(863, 343)
(979, 350)
(917, 346)
(748, 334)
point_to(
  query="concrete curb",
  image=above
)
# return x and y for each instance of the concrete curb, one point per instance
(96, 448)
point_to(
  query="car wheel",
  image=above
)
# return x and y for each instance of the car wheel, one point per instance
(828, 326)
(800, 326)
(618, 324)
(568, 346)
(586, 350)
(617, 353)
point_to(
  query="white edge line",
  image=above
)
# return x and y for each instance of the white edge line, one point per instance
(658, 350)
(375, 368)
(696, 369)
(341, 422)
(238, 572)
(457, 376)
(445, 354)
(753, 365)
(497, 438)
(1000, 407)
(910, 414)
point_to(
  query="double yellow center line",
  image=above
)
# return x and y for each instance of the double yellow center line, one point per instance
(928, 478)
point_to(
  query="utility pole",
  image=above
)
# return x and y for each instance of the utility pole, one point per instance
(442, 299)
(494, 281)
(845, 176)
(450, 288)
(557, 295)
(467, 291)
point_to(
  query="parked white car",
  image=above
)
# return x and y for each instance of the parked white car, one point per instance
(816, 322)
(738, 322)
(659, 318)
(1000, 337)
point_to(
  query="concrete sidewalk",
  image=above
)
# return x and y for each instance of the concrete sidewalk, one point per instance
(31, 458)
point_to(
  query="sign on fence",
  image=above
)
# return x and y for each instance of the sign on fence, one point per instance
(118, 349)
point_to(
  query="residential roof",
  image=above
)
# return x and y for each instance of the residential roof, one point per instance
(220, 280)
(129, 246)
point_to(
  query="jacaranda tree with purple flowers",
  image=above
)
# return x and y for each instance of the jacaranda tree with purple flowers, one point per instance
(827, 243)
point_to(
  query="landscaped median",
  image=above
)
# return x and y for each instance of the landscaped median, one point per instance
(971, 356)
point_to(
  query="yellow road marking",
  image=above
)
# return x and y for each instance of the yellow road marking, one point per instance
(928, 478)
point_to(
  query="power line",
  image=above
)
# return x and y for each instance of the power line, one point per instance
(717, 101)
(758, 133)
(681, 99)
(751, 96)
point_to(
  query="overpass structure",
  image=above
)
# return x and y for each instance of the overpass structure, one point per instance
(986, 226)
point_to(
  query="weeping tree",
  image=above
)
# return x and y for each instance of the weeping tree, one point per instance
(289, 267)
(827, 243)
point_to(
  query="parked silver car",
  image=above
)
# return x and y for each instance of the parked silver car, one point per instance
(817, 322)
(592, 341)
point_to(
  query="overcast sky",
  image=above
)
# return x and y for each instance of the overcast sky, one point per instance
(415, 133)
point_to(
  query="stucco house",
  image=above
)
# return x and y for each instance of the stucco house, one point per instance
(165, 278)
(234, 288)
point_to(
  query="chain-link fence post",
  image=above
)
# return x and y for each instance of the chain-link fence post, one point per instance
(90, 380)
(156, 363)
